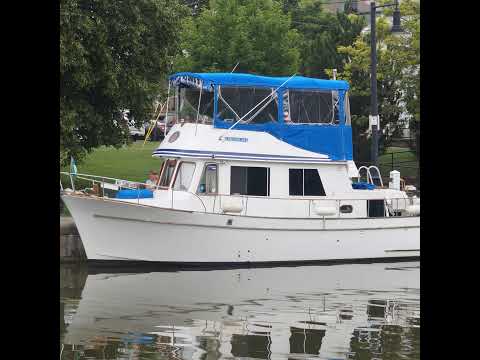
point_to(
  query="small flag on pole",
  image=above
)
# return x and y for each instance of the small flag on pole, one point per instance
(73, 166)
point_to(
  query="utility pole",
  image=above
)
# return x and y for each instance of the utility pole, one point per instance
(374, 119)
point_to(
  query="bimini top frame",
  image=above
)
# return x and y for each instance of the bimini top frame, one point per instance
(312, 114)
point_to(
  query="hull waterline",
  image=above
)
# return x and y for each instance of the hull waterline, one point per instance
(117, 231)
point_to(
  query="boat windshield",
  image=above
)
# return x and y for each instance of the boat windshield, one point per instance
(184, 176)
(189, 99)
(167, 173)
(236, 102)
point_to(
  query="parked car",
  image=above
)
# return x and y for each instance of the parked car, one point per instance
(136, 132)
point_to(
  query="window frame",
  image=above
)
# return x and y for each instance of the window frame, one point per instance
(303, 182)
(216, 180)
(222, 102)
(174, 177)
(333, 111)
(246, 176)
(174, 172)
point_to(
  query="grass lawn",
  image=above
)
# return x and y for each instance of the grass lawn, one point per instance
(403, 161)
(131, 162)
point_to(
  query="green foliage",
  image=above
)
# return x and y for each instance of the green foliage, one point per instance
(254, 33)
(113, 56)
(322, 33)
(398, 67)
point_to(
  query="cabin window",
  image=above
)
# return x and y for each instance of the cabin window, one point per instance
(376, 208)
(313, 107)
(250, 181)
(167, 173)
(184, 176)
(305, 182)
(188, 105)
(209, 180)
(235, 102)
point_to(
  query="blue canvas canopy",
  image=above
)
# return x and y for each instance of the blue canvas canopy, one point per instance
(312, 133)
(208, 80)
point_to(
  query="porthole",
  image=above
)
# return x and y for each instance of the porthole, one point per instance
(174, 136)
(346, 209)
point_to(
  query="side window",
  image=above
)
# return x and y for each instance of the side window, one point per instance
(167, 173)
(209, 180)
(305, 182)
(184, 176)
(312, 184)
(295, 181)
(250, 181)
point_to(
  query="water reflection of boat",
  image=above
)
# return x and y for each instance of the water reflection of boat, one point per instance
(260, 313)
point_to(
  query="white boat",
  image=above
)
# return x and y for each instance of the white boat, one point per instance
(247, 178)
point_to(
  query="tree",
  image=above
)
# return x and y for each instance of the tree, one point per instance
(398, 66)
(113, 56)
(254, 33)
(321, 34)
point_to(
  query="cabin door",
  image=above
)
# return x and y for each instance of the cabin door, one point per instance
(208, 187)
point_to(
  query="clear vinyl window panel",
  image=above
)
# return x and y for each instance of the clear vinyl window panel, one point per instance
(235, 102)
(313, 107)
(251, 180)
(348, 117)
(184, 176)
(188, 99)
(209, 180)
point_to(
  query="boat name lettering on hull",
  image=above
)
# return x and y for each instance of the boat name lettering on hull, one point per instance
(238, 139)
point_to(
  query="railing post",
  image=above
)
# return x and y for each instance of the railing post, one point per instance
(71, 182)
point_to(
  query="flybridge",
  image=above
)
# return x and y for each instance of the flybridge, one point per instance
(312, 114)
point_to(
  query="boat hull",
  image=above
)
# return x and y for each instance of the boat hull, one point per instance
(119, 231)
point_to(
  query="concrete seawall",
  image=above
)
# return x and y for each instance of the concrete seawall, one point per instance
(71, 246)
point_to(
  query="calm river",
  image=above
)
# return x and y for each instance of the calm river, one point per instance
(359, 311)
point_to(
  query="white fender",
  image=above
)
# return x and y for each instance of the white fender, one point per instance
(413, 209)
(232, 204)
(324, 210)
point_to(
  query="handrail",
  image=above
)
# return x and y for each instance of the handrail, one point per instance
(199, 198)
(309, 198)
(378, 172)
(368, 175)
(389, 201)
(101, 177)
(252, 196)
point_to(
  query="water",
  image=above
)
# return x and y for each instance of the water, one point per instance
(355, 311)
